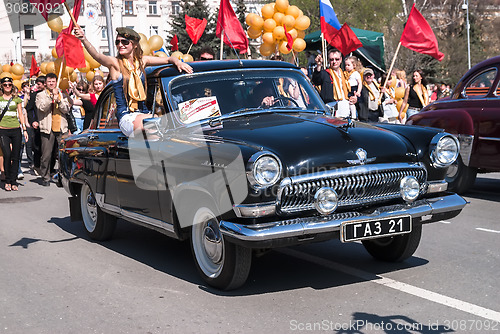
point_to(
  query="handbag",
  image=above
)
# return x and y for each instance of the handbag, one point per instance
(6, 107)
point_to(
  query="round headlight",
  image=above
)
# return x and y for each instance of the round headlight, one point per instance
(445, 151)
(326, 200)
(409, 188)
(266, 171)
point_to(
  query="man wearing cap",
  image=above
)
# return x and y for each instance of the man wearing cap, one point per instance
(369, 103)
(52, 106)
(334, 85)
(126, 72)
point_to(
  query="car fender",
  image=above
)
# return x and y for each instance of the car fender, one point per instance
(457, 121)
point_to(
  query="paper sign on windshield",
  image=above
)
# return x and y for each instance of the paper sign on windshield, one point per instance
(197, 109)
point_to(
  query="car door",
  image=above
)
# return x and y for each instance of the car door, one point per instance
(136, 176)
(483, 89)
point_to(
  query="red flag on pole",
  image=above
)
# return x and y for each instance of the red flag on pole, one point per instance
(34, 70)
(419, 37)
(289, 39)
(345, 40)
(175, 43)
(228, 21)
(70, 46)
(195, 28)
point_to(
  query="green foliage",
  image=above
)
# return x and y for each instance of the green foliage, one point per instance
(199, 10)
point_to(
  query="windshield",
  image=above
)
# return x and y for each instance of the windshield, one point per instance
(214, 94)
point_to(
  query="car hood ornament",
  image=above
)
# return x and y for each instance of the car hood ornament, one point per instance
(362, 158)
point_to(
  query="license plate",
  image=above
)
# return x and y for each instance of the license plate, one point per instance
(370, 229)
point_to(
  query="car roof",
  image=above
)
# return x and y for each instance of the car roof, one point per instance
(217, 65)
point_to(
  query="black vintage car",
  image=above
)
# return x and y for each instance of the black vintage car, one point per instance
(243, 156)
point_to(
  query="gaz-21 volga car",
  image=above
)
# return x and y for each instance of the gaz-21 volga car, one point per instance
(472, 113)
(243, 156)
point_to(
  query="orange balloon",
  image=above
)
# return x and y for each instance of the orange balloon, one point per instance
(187, 58)
(289, 22)
(146, 49)
(73, 77)
(257, 22)
(293, 10)
(17, 69)
(6, 68)
(253, 33)
(43, 67)
(279, 33)
(155, 42)
(399, 93)
(269, 25)
(281, 5)
(249, 18)
(267, 11)
(278, 17)
(302, 23)
(143, 37)
(17, 83)
(90, 75)
(268, 38)
(54, 53)
(161, 54)
(58, 63)
(299, 45)
(283, 49)
(301, 34)
(17, 76)
(51, 68)
(86, 68)
(293, 33)
(176, 54)
(55, 22)
(266, 49)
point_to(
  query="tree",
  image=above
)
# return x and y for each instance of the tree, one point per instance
(199, 10)
(241, 12)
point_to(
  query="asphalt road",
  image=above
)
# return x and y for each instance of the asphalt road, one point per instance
(53, 279)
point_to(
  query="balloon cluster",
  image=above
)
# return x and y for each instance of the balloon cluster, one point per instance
(271, 26)
(186, 57)
(15, 71)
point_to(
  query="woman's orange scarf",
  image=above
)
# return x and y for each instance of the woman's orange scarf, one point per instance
(136, 90)
(422, 94)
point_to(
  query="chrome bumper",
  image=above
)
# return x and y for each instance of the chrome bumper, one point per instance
(292, 231)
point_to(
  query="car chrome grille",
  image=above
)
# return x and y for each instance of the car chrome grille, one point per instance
(354, 185)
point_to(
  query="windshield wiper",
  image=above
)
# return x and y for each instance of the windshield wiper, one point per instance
(243, 110)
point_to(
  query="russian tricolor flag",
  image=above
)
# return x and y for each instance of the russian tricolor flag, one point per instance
(330, 25)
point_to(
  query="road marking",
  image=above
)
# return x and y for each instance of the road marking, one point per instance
(444, 222)
(400, 286)
(486, 230)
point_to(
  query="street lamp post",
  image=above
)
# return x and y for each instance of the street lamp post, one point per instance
(465, 7)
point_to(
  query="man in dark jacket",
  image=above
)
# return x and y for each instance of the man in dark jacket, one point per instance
(33, 120)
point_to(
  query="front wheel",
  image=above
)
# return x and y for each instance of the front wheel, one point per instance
(397, 248)
(222, 264)
(99, 225)
(460, 177)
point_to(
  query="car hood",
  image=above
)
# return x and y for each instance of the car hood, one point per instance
(308, 142)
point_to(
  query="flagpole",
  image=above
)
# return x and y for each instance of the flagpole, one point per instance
(390, 68)
(60, 72)
(190, 48)
(71, 14)
(221, 44)
(323, 47)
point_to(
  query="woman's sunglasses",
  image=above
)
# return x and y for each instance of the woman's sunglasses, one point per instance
(7, 84)
(124, 42)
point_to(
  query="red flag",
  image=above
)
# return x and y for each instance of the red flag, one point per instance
(345, 40)
(195, 28)
(34, 70)
(44, 6)
(175, 43)
(72, 50)
(289, 39)
(228, 22)
(419, 37)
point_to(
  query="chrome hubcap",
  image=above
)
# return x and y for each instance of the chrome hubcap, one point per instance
(92, 207)
(212, 241)
(452, 171)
